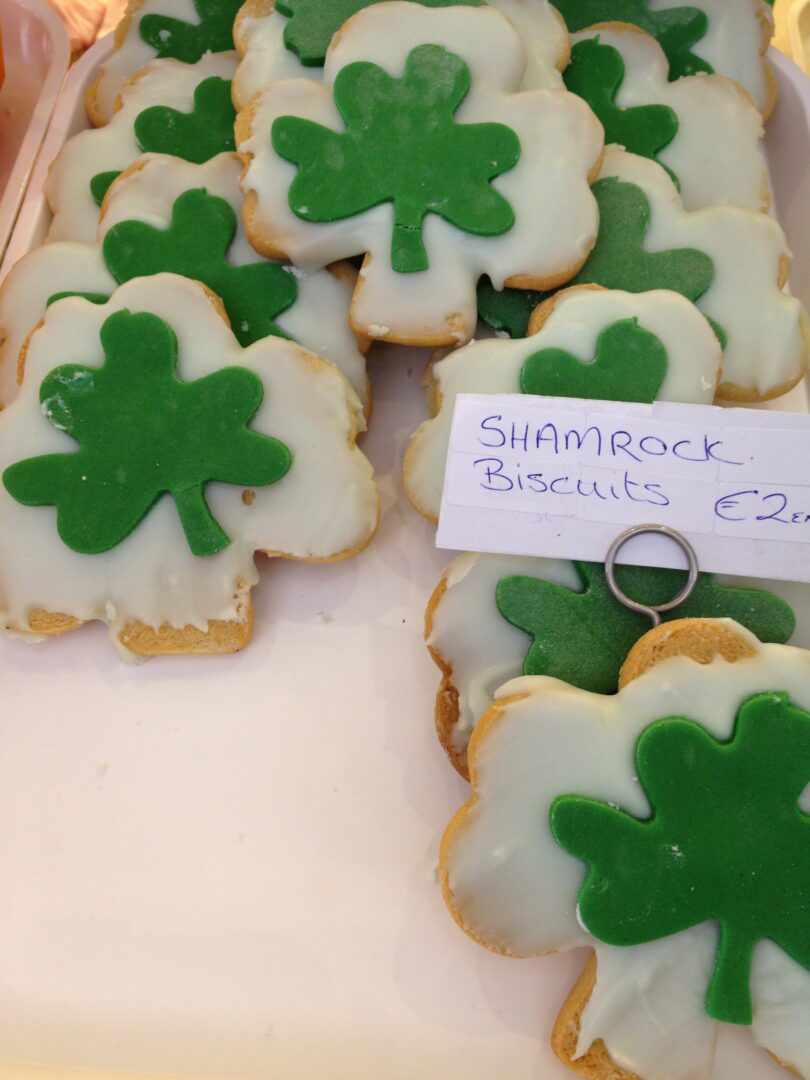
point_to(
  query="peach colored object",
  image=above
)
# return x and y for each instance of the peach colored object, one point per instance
(36, 56)
(83, 20)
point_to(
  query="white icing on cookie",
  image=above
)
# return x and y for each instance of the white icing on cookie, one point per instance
(134, 53)
(767, 347)
(318, 320)
(484, 650)
(265, 58)
(548, 188)
(516, 890)
(114, 147)
(733, 42)
(716, 152)
(633, 999)
(493, 366)
(325, 506)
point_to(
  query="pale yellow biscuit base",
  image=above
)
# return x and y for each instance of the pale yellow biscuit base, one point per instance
(728, 392)
(221, 635)
(433, 393)
(262, 240)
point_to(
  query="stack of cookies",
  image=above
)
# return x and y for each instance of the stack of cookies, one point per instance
(269, 188)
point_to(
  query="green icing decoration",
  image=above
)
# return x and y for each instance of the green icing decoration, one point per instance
(630, 365)
(618, 261)
(91, 297)
(584, 637)
(195, 245)
(197, 136)
(142, 432)
(676, 29)
(726, 843)
(101, 184)
(401, 145)
(596, 73)
(189, 42)
(313, 23)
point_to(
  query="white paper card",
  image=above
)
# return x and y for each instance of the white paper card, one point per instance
(562, 477)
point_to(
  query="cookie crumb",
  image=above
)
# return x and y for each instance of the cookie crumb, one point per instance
(248, 497)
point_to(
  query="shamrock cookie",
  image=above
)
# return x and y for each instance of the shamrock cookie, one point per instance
(147, 457)
(495, 617)
(661, 826)
(183, 30)
(704, 129)
(731, 262)
(432, 198)
(169, 215)
(698, 36)
(587, 343)
(168, 108)
(290, 39)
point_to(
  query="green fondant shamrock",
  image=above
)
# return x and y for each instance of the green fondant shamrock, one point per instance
(101, 184)
(596, 73)
(142, 432)
(676, 29)
(195, 245)
(189, 42)
(91, 297)
(313, 23)
(618, 261)
(726, 843)
(584, 637)
(630, 365)
(197, 136)
(401, 145)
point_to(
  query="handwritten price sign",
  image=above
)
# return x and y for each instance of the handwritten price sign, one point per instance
(561, 477)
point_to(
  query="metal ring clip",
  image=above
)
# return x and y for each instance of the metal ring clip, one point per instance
(654, 611)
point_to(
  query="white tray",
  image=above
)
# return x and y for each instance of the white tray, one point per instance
(226, 867)
(36, 52)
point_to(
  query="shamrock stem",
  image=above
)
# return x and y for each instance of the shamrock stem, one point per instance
(203, 532)
(729, 997)
(408, 253)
